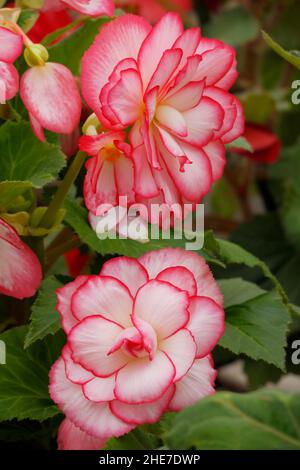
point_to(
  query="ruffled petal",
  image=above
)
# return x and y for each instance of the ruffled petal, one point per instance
(103, 296)
(196, 384)
(70, 437)
(181, 349)
(156, 261)
(128, 270)
(91, 341)
(206, 324)
(93, 418)
(163, 306)
(120, 39)
(144, 381)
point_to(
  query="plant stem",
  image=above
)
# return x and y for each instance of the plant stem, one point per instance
(59, 198)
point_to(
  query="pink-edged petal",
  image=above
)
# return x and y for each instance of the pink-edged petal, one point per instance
(37, 128)
(216, 153)
(181, 349)
(198, 383)
(173, 120)
(238, 127)
(64, 297)
(150, 144)
(100, 389)
(124, 178)
(51, 95)
(206, 324)
(170, 142)
(120, 39)
(70, 437)
(91, 341)
(143, 381)
(148, 335)
(215, 64)
(92, 144)
(104, 296)
(128, 270)
(125, 99)
(144, 183)
(106, 188)
(141, 414)
(156, 261)
(188, 43)
(179, 277)
(9, 82)
(227, 102)
(166, 68)
(163, 306)
(75, 372)
(187, 97)
(161, 38)
(11, 45)
(202, 121)
(194, 181)
(20, 273)
(187, 74)
(91, 7)
(91, 417)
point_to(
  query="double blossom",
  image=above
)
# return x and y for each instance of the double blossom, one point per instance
(168, 89)
(139, 338)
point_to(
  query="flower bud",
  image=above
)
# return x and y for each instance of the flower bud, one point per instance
(35, 55)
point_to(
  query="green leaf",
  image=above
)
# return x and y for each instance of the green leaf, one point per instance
(258, 107)
(27, 19)
(70, 50)
(237, 291)
(24, 158)
(10, 191)
(292, 57)
(234, 26)
(241, 142)
(137, 439)
(260, 373)
(44, 318)
(264, 420)
(224, 200)
(24, 378)
(258, 328)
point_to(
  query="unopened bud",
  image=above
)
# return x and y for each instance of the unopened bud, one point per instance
(36, 54)
(92, 125)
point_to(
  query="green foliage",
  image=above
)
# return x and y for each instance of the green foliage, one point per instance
(262, 420)
(234, 26)
(24, 378)
(24, 158)
(44, 318)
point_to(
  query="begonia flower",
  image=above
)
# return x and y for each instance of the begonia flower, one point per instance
(20, 269)
(139, 341)
(170, 87)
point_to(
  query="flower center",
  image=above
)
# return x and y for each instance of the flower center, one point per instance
(109, 153)
(136, 343)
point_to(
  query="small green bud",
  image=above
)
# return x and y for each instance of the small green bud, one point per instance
(35, 55)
